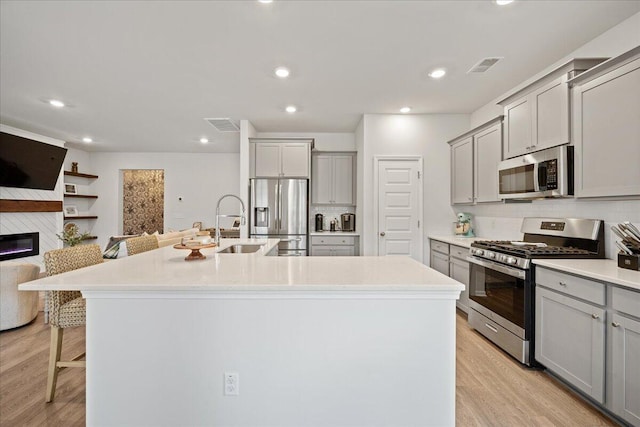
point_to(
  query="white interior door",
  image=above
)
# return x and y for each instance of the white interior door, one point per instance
(400, 207)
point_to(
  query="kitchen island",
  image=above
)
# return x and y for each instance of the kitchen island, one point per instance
(312, 340)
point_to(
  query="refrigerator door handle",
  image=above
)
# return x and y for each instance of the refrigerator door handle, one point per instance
(280, 206)
(276, 213)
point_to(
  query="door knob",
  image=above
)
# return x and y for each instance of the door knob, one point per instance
(382, 233)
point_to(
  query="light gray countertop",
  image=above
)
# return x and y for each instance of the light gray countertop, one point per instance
(605, 270)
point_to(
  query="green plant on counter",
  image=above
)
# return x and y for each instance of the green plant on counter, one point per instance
(71, 235)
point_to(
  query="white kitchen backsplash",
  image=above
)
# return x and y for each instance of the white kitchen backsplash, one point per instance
(503, 220)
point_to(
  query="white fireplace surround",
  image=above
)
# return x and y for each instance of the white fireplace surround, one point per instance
(48, 224)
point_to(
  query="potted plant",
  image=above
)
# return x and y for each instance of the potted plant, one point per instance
(71, 235)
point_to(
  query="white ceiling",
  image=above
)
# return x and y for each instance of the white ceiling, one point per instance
(141, 75)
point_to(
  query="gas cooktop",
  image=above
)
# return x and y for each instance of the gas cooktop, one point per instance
(533, 249)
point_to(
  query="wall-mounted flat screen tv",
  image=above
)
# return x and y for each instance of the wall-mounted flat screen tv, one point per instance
(25, 163)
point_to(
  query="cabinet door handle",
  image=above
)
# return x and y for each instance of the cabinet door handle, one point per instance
(382, 233)
(562, 284)
(595, 316)
(615, 324)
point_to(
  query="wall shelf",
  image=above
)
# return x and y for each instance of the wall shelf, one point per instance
(81, 196)
(69, 218)
(81, 175)
(9, 205)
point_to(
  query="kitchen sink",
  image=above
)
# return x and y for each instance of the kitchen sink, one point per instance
(241, 249)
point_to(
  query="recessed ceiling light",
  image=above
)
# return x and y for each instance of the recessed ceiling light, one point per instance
(291, 109)
(503, 2)
(405, 110)
(282, 72)
(204, 140)
(87, 139)
(437, 73)
(265, 1)
(56, 103)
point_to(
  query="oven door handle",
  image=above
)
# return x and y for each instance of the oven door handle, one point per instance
(514, 272)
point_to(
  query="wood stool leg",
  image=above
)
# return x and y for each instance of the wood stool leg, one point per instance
(55, 349)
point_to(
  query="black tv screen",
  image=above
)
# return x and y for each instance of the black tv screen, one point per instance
(25, 163)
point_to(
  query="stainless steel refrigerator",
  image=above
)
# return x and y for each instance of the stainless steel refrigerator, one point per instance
(280, 209)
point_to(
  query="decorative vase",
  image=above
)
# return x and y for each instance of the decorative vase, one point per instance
(74, 167)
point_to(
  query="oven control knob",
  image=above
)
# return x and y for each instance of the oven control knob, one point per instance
(479, 252)
(492, 255)
(510, 260)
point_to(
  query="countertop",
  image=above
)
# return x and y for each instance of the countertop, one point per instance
(458, 241)
(334, 233)
(165, 269)
(605, 270)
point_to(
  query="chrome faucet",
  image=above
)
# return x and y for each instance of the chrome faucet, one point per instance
(242, 217)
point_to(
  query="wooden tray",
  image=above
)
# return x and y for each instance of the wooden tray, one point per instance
(195, 250)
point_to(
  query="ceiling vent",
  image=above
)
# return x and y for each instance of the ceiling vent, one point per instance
(223, 125)
(484, 65)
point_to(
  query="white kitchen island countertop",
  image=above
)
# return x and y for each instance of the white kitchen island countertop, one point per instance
(605, 270)
(165, 269)
(312, 340)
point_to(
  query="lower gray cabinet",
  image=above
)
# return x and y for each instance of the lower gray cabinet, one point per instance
(570, 340)
(440, 262)
(588, 333)
(334, 245)
(459, 270)
(624, 373)
(451, 261)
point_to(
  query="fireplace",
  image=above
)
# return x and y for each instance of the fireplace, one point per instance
(19, 245)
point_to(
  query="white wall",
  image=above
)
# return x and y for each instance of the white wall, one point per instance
(421, 135)
(324, 141)
(504, 220)
(198, 179)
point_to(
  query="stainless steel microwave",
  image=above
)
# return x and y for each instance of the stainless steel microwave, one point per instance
(546, 173)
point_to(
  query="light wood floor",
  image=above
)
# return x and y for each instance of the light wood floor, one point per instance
(492, 389)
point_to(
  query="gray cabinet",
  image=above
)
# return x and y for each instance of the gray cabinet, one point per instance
(286, 159)
(606, 128)
(474, 164)
(334, 245)
(333, 179)
(462, 172)
(538, 120)
(588, 333)
(459, 270)
(451, 261)
(538, 116)
(624, 346)
(570, 340)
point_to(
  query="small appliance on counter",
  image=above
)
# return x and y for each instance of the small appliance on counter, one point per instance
(332, 225)
(319, 222)
(462, 226)
(348, 222)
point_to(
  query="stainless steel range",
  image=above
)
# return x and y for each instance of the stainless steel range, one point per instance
(502, 277)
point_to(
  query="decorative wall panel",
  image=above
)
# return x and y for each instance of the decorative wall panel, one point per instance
(143, 201)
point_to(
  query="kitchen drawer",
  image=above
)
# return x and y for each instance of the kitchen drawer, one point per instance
(578, 287)
(625, 301)
(333, 240)
(458, 252)
(440, 246)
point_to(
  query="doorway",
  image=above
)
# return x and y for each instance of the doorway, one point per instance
(398, 203)
(142, 201)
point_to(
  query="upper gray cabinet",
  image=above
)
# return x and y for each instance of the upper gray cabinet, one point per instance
(474, 164)
(538, 116)
(280, 158)
(606, 128)
(333, 179)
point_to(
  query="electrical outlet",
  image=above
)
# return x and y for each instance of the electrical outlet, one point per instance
(231, 384)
